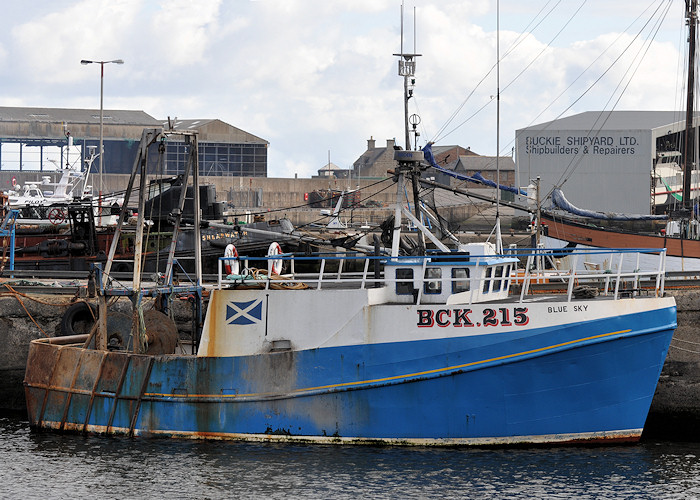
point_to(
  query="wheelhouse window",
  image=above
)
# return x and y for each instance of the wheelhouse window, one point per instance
(498, 278)
(433, 281)
(460, 279)
(404, 282)
(487, 280)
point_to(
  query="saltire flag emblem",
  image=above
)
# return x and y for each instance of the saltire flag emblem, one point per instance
(244, 313)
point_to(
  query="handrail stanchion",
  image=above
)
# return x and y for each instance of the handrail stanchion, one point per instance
(341, 261)
(364, 273)
(422, 281)
(320, 273)
(478, 285)
(617, 279)
(662, 272)
(572, 277)
(526, 277)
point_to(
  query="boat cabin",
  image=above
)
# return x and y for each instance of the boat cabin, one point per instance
(472, 274)
(30, 195)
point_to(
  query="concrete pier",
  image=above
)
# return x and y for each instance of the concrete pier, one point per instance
(675, 410)
(25, 317)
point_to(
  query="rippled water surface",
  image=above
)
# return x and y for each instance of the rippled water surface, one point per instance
(44, 465)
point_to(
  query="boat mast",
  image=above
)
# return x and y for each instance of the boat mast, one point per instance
(499, 241)
(691, 15)
(408, 163)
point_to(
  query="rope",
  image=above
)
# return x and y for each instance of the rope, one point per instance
(685, 350)
(584, 292)
(13, 292)
(687, 341)
(16, 295)
(277, 282)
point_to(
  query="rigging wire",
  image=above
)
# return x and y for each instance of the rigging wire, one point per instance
(655, 28)
(658, 25)
(525, 68)
(566, 24)
(547, 46)
(521, 37)
(576, 161)
(308, 204)
(352, 205)
(623, 33)
(511, 143)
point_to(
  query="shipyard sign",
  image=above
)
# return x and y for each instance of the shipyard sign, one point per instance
(604, 145)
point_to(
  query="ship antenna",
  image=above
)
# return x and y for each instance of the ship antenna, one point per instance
(408, 164)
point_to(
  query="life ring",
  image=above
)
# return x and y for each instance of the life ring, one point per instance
(275, 249)
(78, 319)
(57, 216)
(231, 266)
(14, 181)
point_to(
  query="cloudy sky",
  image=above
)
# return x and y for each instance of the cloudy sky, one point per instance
(318, 76)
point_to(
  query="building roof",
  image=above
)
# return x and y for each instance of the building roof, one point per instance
(67, 115)
(438, 150)
(612, 120)
(213, 129)
(330, 166)
(485, 163)
(178, 124)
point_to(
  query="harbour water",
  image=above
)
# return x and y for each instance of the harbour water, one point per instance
(45, 465)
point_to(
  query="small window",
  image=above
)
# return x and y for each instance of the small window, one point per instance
(433, 281)
(460, 276)
(497, 281)
(404, 283)
(487, 281)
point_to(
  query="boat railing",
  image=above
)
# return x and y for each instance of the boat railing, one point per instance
(615, 272)
(609, 272)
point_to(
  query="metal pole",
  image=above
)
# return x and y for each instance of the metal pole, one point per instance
(405, 112)
(101, 151)
(102, 80)
(691, 19)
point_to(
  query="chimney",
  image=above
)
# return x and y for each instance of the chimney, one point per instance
(390, 143)
(370, 144)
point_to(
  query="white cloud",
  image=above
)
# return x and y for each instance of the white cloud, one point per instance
(314, 75)
(49, 48)
(181, 31)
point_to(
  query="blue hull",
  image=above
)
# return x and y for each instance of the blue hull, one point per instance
(593, 380)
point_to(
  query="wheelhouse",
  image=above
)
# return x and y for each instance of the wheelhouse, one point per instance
(472, 274)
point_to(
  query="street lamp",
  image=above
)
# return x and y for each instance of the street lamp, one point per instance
(101, 150)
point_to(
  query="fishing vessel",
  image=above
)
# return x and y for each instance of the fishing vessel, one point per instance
(431, 350)
(441, 347)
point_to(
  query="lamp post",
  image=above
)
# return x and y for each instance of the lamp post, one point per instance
(101, 150)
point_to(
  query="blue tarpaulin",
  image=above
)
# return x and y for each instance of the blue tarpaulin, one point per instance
(477, 177)
(560, 201)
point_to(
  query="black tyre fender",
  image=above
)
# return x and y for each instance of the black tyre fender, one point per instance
(78, 319)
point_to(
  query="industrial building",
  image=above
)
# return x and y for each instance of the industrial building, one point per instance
(41, 139)
(602, 161)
